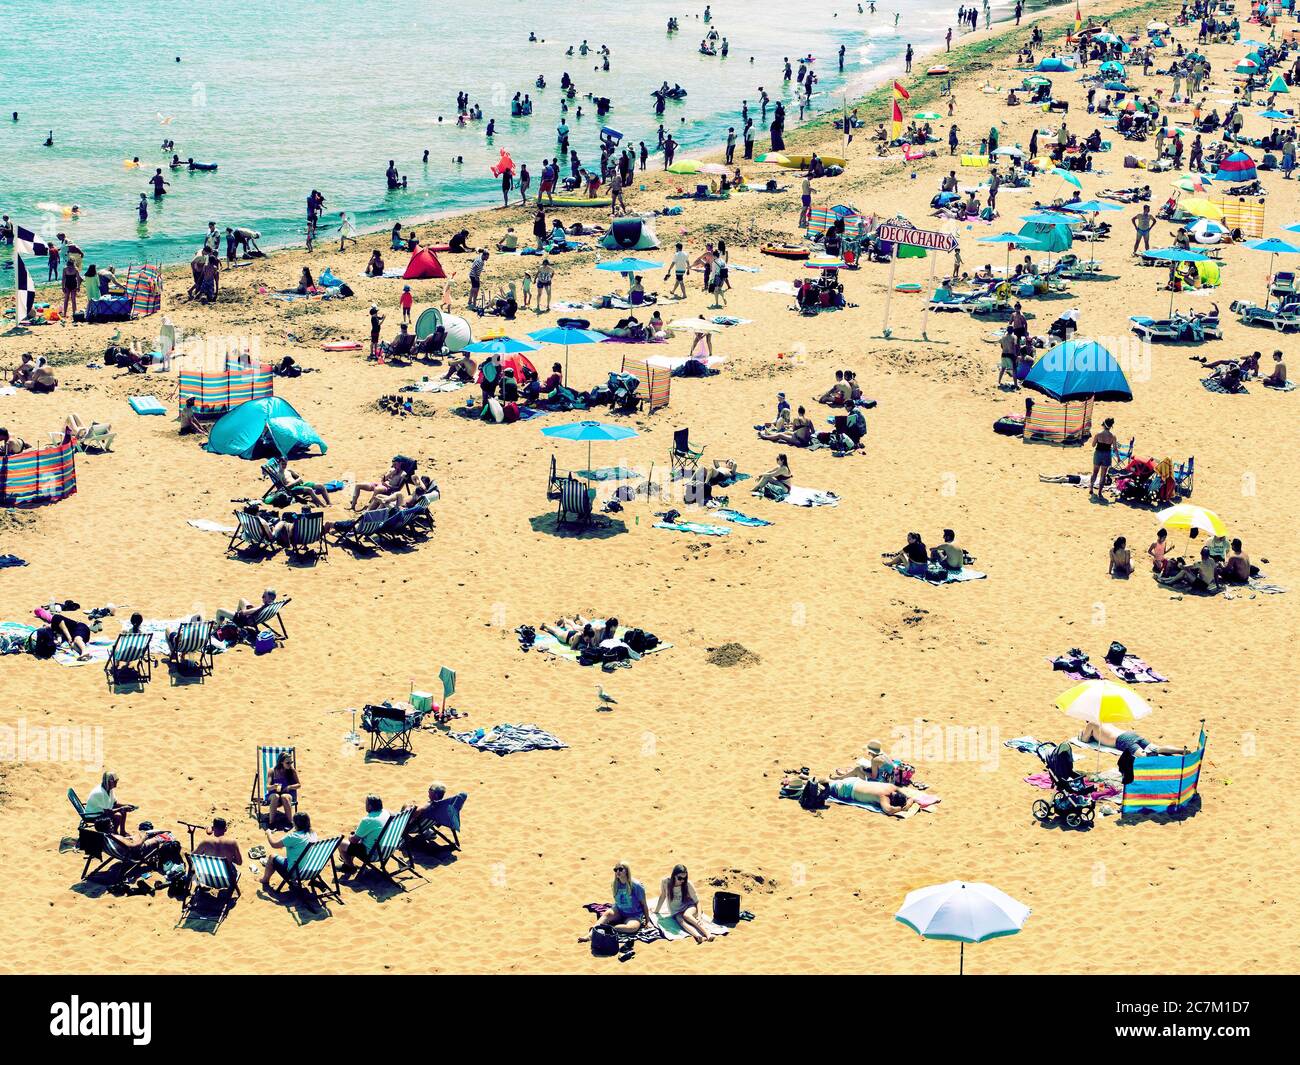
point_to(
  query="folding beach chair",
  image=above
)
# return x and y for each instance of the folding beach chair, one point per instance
(389, 847)
(362, 530)
(194, 638)
(1283, 284)
(84, 819)
(1184, 475)
(408, 523)
(554, 481)
(210, 878)
(267, 614)
(1122, 454)
(432, 829)
(250, 534)
(575, 503)
(307, 874)
(130, 651)
(261, 794)
(683, 459)
(307, 536)
(390, 728)
(100, 847)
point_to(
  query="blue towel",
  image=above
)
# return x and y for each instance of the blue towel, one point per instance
(737, 518)
(510, 739)
(702, 528)
(9, 561)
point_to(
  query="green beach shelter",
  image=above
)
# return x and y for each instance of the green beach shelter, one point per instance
(262, 428)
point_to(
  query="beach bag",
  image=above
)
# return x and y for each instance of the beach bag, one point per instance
(776, 491)
(726, 907)
(903, 774)
(1115, 656)
(43, 643)
(264, 644)
(813, 796)
(604, 942)
(228, 634)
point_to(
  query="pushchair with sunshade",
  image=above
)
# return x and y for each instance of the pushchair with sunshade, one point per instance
(1071, 800)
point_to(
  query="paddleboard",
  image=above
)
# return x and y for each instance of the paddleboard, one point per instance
(341, 345)
(575, 201)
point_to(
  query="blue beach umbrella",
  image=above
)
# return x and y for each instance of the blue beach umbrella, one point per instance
(501, 346)
(1065, 175)
(1176, 255)
(1012, 240)
(1090, 206)
(629, 265)
(1045, 219)
(1078, 370)
(1274, 247)
(567, 335)
(1276, 116)
(591, 432)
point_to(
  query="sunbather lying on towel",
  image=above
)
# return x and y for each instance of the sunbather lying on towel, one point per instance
(629, 912)
(873, 792)
(1129, 744)
(575, 634)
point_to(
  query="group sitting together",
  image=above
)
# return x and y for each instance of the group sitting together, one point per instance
(918, 561)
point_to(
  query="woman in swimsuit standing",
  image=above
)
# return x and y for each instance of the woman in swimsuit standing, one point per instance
(1103, 444)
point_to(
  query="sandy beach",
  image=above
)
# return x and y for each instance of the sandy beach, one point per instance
(792, 645)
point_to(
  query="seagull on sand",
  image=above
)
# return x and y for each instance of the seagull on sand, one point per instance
(606, 700)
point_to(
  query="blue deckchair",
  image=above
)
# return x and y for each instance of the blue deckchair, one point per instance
(210, 877)
(389, 846)
(445, 814)
(130, 651)
(193, 638)
(307, 874)
(261, 795)
(361, 530)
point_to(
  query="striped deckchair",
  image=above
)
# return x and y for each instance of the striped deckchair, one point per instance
(193, 638)
(389, 847)
(267, 614)
(655, 382)
(250, 534)
(267, 756)
(217, 392)
(210, 878)
(307, 874)
(574, 507)
(360, 531)
(144, 288)
(307, 536)
(405, 523)
(41, 475)
(444, 817)
(1059, 423)
(130, 651)
(1164, 782)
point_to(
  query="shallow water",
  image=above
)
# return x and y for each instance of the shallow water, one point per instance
(296, 95)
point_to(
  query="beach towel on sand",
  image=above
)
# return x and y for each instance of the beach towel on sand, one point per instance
(208, 525)
(949, 576)
(1213, 384)
(1134, 671)
(672, 930)
(1087, 672)
(811, 497)
(510, 739)
(737, 518)
(923, 800)
(544, 641)
(700, 528)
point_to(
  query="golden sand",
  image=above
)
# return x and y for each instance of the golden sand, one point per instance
(686, 767)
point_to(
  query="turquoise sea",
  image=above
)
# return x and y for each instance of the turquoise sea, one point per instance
(296, 95)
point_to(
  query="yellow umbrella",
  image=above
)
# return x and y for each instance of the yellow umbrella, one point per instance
(685, 166)
(1202, 208)
(1190, 516)
(1103, 702)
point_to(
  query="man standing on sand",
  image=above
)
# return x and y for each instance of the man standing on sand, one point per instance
(347, 230)
(947, 43)
(952, 139)
(805, 201)
(731, 145)
(1143, 224)
(476, 277)
(907, 57)
(679, 266)
(670, 146)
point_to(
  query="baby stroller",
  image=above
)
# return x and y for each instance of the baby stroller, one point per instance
(1071, 799)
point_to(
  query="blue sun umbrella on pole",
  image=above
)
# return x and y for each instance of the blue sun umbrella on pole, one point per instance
(1176, 255)
(589, 431)
(567, 335)
(1079, 370)
(501, 346)
(1274, 247)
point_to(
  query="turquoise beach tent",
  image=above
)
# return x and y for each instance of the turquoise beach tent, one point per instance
(1049, 236)
(261, 428)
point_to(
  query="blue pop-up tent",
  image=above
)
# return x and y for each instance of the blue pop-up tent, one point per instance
(261, 428)
(1079, 370)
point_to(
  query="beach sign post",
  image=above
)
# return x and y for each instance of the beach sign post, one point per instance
(930, 240)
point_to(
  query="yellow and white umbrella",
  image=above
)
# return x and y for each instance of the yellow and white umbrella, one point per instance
(1190, 516)
(1103, 702)
(1201, 208)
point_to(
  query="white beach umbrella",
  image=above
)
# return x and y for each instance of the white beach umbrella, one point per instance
(968, 913)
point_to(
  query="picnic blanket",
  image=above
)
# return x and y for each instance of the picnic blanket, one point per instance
(1087, 672)
(811, 497)
(544, 641)
(949, 576)
(698, 527)
(1288, 387)
(1213, 384)
(1133, 670)
(609, 473)
(433, 386)
(510, 739)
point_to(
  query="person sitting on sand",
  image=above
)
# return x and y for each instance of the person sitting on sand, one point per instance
(874, 765)
(42, 379)
(1129, 744)
(1199, 575)
(375, 267)
(102, 805)
(395, 480)
(683, 903)
(1159, 552)
(461, 368)
(11, 445)
(876, 793)
(23, 371)
(574, 634)
(779, 477)
(913, 557)
(509, 242)
(1277, 379)
(1121, 558)
(799, 434)
(629, 912)
(293, 843)
(948, 554)
(244, 614)
(838, 395)
(220, 844)
(189, 419)
(369, 828)
(1236, 567)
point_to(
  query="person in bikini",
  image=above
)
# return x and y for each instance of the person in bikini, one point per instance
(574, 634)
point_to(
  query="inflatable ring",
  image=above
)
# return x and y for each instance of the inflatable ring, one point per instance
(785, 251)
(907, 286)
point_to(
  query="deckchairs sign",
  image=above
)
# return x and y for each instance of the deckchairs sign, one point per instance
(916, 238)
